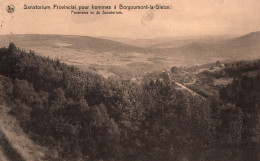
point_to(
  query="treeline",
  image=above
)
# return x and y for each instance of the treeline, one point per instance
(244, 92)
(236, 69)
(86, 117)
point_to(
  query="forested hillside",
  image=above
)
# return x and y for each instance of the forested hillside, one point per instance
(86, 117)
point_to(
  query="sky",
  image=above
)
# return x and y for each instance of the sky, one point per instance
(185, 18)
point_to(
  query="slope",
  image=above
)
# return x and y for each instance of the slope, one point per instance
(244, 47)
(71, 42)
(15, 144)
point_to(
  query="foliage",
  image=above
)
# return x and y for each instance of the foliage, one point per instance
(83, 115)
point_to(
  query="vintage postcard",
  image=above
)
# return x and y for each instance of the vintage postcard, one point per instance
(129, 80)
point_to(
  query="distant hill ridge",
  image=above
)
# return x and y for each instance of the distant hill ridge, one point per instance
(243, 47)
(75, 42)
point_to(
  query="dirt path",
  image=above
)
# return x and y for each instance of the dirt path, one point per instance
(15, 145)
(185, 88)
(7, 152)
(182, 87)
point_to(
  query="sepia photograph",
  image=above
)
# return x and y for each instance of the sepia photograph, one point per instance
(129, 80)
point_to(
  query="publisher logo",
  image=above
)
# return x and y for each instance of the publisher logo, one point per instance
(10, 8)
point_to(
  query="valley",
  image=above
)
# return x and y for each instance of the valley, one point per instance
(130, 59)
(84, 98)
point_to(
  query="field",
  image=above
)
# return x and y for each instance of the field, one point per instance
(131, 59)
